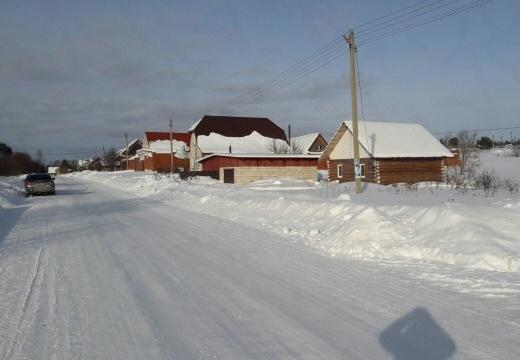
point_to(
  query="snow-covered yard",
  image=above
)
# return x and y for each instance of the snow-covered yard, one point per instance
(198, 270)
(430, 223)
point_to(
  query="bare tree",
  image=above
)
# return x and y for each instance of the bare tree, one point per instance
(109, 159)
(515, 150)
(39, 156)
(469, 162)
(295, 147)
(278, 146)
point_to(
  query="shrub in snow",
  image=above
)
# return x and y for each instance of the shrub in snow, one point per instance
(488, 182)
(461, 177)
(515, 151)
(511, 186)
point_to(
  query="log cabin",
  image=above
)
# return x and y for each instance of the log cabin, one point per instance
(389, 153)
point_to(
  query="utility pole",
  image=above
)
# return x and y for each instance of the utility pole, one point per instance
(171, 146)
(353, 96)
(127, 155)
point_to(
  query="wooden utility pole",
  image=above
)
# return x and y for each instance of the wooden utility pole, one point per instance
(127, 155)
(171, 146)
(353, 95)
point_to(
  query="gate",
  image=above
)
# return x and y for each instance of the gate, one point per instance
(229, 176)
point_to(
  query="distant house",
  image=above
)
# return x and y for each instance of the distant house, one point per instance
(313, 143)
(231, 134)
(155, 154)
(94, 163)
(53, 170)
(390, 153)
(120, 155)
(152, 136)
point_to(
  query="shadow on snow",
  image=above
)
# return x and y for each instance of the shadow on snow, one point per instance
(416, 335)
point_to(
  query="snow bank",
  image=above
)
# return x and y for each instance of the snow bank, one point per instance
(10, 192)
(434, 225)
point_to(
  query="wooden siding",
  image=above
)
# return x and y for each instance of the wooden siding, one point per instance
(161, 163)
(410, 170)
(320, 141)
(390, 171)
(348, 170)
(453, 161)
(156, 162)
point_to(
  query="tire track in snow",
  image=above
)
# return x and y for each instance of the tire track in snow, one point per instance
(30, 301)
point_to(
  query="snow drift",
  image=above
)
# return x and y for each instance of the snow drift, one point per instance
(384, 223)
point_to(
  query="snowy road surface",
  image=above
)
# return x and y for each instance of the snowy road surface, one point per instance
(94, 273)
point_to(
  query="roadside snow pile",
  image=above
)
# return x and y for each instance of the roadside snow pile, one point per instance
(384, 223)
(9, 193)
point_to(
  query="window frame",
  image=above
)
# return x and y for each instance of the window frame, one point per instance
(338, 166)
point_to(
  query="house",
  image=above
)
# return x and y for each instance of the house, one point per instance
(53, 170)
(156, 152)
(313, 143)
(158, 156)
(231, 134)
(152, 136)
(243, 168)
(120, 155)
(389, 152)
(94, 163)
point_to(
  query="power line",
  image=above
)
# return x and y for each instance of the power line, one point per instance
(307, 71)
(389, 14)
(402, 18)
(333, 50)
(323, 57)
(476, 130)
(426, 21)
(296, 66)
(361, 99)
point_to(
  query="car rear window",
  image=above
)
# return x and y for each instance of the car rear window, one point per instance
(38, 177)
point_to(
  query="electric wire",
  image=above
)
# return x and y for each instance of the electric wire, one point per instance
(323, 57)
(333, 50)
(361, 99)
(402, 19)
(425, 22)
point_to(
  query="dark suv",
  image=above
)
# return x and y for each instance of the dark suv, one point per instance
(39, 184)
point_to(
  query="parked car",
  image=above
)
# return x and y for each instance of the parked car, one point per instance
(39, 184)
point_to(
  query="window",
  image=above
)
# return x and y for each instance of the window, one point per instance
(362, 171)
(340, 170)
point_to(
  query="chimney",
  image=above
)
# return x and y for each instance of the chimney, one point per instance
(289, 134)
(230, 149)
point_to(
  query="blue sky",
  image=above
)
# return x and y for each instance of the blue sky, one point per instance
(76, 75)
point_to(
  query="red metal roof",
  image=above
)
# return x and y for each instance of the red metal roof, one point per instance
(158, 135)
(233, 126)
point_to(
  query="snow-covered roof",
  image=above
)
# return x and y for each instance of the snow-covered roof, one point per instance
(263, 156)
(163, 147)
(305, 141)
(194, 126)
(397, 140)
(251, 144)
(123, 149)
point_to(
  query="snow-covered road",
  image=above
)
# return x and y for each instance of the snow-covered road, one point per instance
(95, 273)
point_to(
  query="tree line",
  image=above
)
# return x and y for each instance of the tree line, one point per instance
(17, 163)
